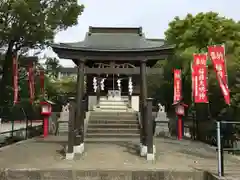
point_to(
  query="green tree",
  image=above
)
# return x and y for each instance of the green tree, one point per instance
(193, 34)
(31, 24)
(65, 85)
(52, 67)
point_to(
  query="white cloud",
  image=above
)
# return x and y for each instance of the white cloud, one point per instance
(152, 15)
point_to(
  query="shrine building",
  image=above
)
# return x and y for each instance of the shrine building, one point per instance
(112, 68)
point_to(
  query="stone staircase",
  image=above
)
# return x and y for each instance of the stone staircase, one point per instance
(62, 128)
(62, 123)
(112, 126)
(109, 105)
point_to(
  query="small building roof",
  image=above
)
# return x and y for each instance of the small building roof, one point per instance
(115, 40)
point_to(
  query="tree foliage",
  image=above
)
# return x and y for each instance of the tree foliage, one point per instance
(31, 24)
(52, 67)
(193, 34)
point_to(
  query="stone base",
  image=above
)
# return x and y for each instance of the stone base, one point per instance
(150, 157)
(79, 149)
(143, 150)
(69, 156)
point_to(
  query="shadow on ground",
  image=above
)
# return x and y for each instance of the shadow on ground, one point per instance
(103, 175)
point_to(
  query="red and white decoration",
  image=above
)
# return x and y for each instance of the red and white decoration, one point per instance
(177, 86)
(41, 74)
(31, 82)
(199, 78)
(217, 55)
(15, 80)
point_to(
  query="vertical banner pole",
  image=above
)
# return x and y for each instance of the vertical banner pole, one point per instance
(15, 89)
(180, 127)
(45, 127)
(42, 82)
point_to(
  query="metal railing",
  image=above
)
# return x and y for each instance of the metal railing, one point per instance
(220, 144)
(17, 132)
(12, 130)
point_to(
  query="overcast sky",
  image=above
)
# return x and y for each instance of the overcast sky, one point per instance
(152, 15)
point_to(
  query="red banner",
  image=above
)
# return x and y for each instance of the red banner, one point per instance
(177, 86)
(217, 55)
(15, 80)
(41, 75)
(199, 78)
(193, 78)
(31, 82)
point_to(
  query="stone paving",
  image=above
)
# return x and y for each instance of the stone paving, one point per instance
(172, 155)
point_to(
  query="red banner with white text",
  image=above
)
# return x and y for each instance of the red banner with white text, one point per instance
(217, 55)
(41, 77)
(177, 86)
(199, 78)
(15, 80)
(31, 82)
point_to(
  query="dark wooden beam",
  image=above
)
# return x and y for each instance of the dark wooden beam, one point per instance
(113, 56)
(71, 123)
(79, 96)
(143, 97)
(127, 71)
(149, 123)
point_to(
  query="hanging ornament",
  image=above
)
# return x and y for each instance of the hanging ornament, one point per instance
(119, 84)
(102, 84)
(130, 86)
(95, 84)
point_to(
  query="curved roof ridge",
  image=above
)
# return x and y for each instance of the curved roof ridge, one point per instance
(114, 39)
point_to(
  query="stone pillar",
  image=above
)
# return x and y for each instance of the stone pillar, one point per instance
(149, 139)
(79, 132)
(143, 96)
(98, 91)
(70, 146)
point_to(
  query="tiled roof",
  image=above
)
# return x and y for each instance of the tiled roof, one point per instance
(115, 39)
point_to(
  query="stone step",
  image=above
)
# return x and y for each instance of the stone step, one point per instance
(95, 113)
(113, 140)
(102, 118)
(113, 107)
(112, 121)
(112, 135)
(63, 127)
(113, 125)
(113, 103)
(108, 105)
(113, 130)
(112, 110)
(104, 98)
(111, 116)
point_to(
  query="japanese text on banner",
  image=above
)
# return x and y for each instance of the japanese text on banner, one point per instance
(217, 55)
(177, 86)
(199, 78)
(41, 74)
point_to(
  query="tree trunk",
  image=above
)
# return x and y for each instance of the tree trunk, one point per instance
(6, 85)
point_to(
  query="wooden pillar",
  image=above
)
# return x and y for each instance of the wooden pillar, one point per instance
(98, 91)
(143, 95)
(79, 97)
(129, 100)
(149, 139)
(83, 111)
(72, 108)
